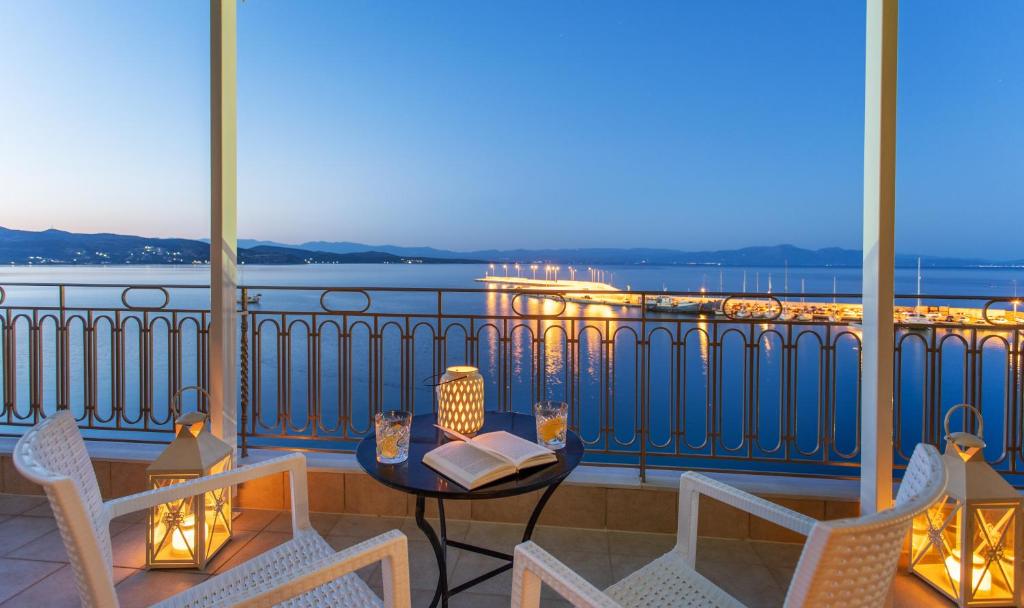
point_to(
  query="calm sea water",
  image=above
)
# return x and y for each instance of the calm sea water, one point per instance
(612, 428)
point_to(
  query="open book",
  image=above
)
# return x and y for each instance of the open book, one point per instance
(474, 462)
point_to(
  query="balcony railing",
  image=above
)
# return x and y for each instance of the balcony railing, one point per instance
(646, 389)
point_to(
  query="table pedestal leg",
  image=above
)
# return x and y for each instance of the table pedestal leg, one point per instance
(440, 546)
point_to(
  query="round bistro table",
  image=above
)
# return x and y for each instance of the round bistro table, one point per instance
(414, 477)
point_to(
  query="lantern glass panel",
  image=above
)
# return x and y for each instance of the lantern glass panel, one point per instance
(935, 547)
(993, 532)
(173, 530)
(218, 512)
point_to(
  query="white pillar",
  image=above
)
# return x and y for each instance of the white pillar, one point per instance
(223, 224)
(879, 222)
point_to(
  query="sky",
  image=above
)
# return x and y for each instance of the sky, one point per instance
(466, 125)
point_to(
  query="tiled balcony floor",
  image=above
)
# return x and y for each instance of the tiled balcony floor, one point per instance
(36, 572)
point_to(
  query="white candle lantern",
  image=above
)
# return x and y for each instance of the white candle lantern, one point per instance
(460, 400)
(187, 533)
(966, 546)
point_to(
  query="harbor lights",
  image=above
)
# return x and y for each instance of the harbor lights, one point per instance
(517, 270)
(492, 270)
(533, 267)
(505, 268)
(187, 533)
(966, 546)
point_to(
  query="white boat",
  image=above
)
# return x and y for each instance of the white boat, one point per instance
(916, 320)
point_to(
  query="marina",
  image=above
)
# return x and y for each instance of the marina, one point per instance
(768, 306)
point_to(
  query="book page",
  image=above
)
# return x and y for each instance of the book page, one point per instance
(465, 463)
(516, 450)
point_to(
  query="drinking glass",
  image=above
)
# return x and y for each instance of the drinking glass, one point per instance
(551, 423)
(392, 428)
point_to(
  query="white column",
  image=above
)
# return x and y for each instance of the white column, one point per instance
(223, 224)
(879, 222)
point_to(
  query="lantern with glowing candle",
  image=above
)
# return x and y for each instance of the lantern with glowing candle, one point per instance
(966, 546)
(460, 400)
(187, 533)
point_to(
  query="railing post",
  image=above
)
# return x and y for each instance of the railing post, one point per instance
(223, 381)
(879, 223)
(63, 356)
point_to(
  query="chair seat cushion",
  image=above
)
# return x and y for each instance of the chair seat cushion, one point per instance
(669, 581)
(272, 568)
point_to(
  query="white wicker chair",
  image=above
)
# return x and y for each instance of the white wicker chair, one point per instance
(304, 571)
(845, 563)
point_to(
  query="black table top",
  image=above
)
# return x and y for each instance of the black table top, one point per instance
(414, 477)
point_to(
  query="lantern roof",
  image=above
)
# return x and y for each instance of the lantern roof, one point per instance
(194, 448)
(971, 478)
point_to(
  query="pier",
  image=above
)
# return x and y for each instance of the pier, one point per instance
(767, 307)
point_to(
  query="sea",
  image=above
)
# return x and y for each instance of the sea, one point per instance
(682, 429)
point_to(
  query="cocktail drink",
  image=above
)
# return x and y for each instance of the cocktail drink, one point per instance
(551, 417)
(392, 428)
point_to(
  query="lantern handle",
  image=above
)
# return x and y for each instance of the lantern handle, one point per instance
(176, 399)
(434, 380)
(964, 406)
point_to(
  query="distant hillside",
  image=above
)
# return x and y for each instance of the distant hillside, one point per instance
(60, 247)
(775, 255)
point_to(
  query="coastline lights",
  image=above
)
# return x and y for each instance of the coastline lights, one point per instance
(187, 533)
(966, 546)
(460, 399)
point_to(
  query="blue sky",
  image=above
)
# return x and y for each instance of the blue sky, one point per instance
(691, 125)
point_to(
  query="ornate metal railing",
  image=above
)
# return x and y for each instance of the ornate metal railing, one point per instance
(646, 389)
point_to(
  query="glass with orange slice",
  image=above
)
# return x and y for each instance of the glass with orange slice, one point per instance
(392, 431)
(552, 419)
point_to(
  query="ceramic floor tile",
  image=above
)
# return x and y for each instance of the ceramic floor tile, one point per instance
(364, 526)
(146, 587)
(749, 583)
(640, 543)
(323, 523)
(42, 510)
(57, 590)
(19, 575)
(497, 536)
(557, 539)
(15, 504)
(129, 546)
(725, 549)
(911, 592)
(254, 519)
(260, 543)
(50, 546)
(778, 554)
(19, 530)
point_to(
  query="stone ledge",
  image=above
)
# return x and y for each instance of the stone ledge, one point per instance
(593, 497)
(781, 486)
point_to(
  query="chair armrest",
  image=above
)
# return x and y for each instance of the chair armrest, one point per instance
(533, 565)
(692, 485)
(390, 548)
(294, 464)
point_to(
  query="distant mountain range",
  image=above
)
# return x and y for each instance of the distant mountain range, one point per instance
(60, 247)
(774, 255)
